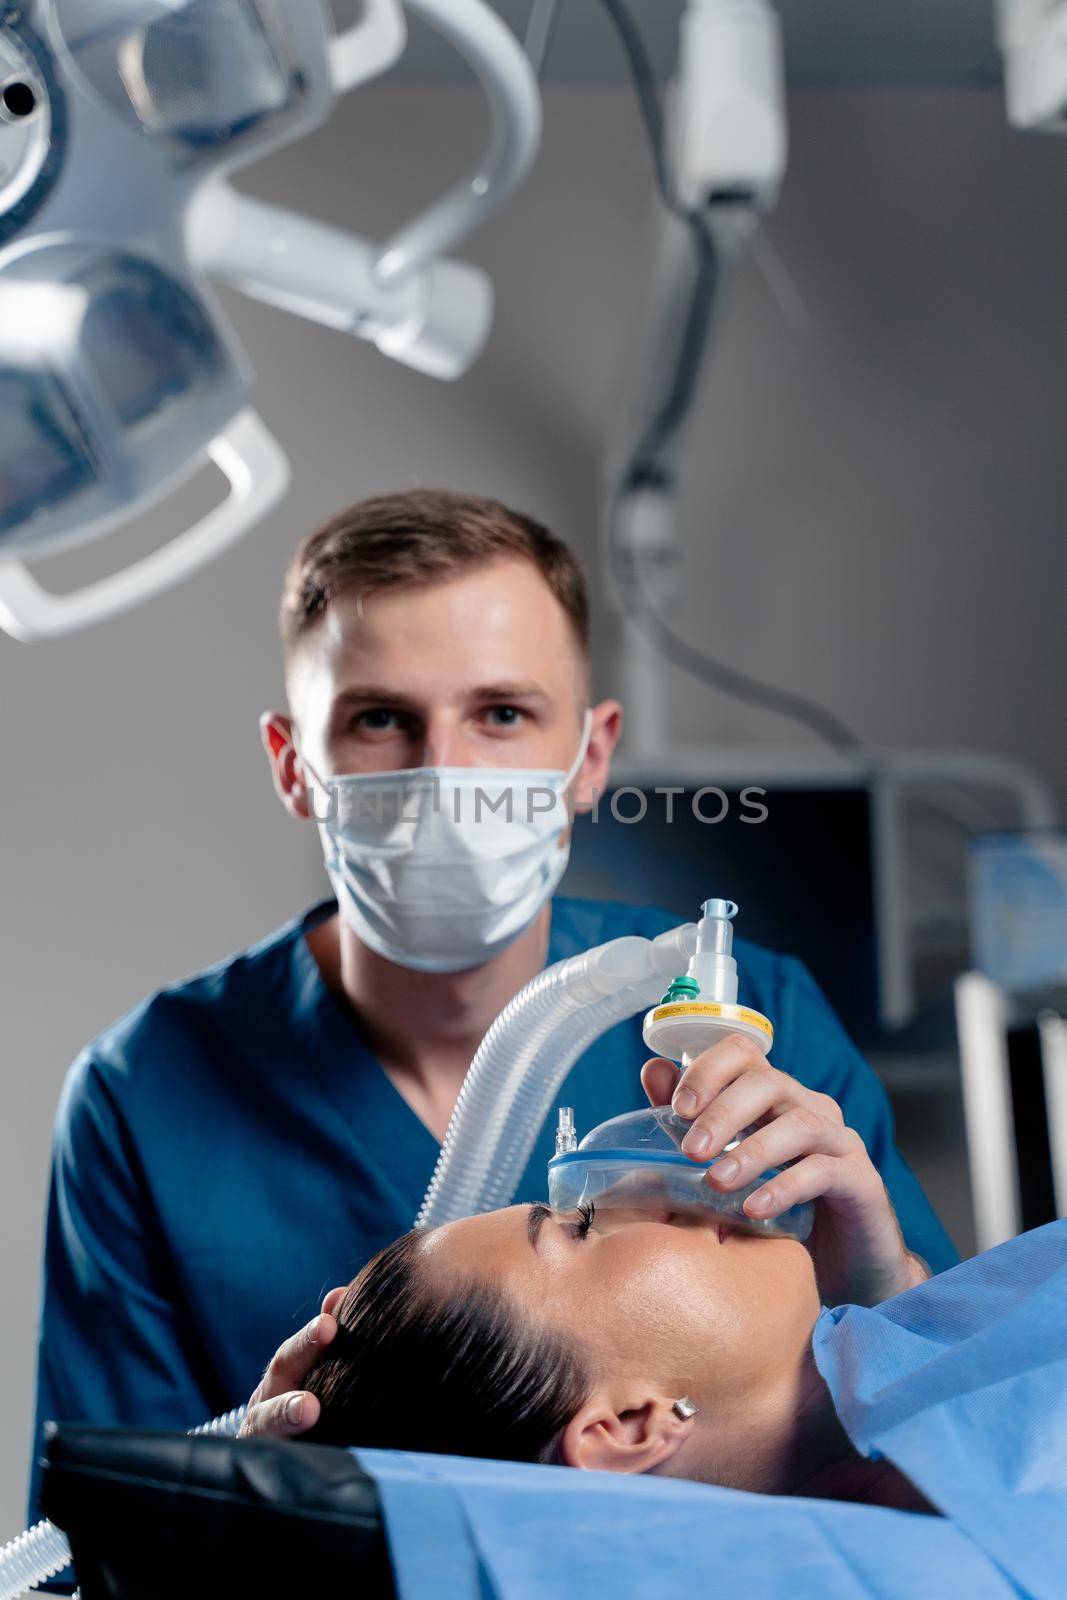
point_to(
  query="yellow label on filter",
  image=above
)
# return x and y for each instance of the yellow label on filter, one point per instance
(713, 1008)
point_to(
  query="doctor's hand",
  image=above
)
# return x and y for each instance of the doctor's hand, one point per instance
(856, 1242)
(280, 1407)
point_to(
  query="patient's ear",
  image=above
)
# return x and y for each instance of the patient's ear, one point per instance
(637, 1438)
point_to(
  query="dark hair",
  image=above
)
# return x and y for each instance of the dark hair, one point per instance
(462, 1373)
(422, 536)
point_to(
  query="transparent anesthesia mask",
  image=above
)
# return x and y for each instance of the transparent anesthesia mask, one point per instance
(635, 1163)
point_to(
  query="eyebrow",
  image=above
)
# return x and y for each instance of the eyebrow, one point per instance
(509, 691)
(378, 695)
(371, 692)
(536, 1218)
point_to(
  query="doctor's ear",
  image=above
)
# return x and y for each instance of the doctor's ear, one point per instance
(276, 733)
(635, 1439)
(604, 730)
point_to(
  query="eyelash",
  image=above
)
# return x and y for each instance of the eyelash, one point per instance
(587, 1213)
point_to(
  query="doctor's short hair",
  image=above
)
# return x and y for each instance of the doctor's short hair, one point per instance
(422, 536)
(457, 1371)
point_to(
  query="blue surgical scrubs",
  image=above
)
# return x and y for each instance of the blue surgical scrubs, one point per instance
(231, 1149)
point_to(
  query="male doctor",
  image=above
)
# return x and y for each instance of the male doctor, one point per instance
(247, 1138)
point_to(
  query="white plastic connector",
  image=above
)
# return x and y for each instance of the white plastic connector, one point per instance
(726, 122)
(608, 969)
(566, 1133)
(713, 965)
(672, 950)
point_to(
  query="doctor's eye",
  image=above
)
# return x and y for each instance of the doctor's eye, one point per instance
(377, 719)
(505, 716)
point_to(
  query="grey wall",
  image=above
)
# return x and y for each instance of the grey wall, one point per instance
(873, 515)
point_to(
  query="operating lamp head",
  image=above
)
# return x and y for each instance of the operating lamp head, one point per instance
(118, 370)
(120, 374)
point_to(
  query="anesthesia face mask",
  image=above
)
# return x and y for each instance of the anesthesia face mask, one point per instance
(634, 1163)
(120, 375)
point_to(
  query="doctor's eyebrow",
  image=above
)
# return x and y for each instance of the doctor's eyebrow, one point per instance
(510, 691)
(375, 694)
(371, 694)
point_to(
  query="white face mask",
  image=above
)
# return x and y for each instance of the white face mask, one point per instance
(441, 868)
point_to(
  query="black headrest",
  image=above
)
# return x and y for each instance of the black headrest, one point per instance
(161, 1516)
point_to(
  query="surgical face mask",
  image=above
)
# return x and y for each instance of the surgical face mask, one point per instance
(441, 868)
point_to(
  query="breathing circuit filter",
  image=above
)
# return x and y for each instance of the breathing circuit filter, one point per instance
(700, 1007)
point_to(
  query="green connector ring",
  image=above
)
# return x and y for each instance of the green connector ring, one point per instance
(682, 988)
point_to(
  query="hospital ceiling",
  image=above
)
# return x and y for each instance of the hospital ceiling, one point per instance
(828, 43)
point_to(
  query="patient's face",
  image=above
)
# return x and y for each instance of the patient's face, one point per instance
(703, 1309)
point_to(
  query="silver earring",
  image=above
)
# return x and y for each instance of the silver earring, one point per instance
(684, 1408)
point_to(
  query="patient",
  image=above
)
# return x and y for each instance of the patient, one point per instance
(619, 1342)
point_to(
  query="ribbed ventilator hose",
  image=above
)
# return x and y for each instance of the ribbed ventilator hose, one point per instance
(526, 1055)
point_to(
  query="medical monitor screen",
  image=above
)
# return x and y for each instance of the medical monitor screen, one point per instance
(802, 873)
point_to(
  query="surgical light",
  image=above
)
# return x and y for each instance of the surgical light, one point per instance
(121, 122)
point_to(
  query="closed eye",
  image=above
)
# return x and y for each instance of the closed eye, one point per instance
(537, 1215)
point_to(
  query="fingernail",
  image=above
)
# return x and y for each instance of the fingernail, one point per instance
(758, 1203)
(313, 1330)
(727, 1168)
(294, 1408)
(684, 1102)
(696, 1143)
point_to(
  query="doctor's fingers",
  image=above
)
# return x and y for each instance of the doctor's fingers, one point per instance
(759, 1094)
(292, 1361)
(659, 1079)
(714, 1069)
(852, 1179)
(282, 1417)
(800, 1131)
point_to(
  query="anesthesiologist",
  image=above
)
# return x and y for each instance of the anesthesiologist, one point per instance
(253, 1134)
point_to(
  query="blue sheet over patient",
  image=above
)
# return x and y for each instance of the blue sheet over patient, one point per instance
(462, 1529)
(962, 1384)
